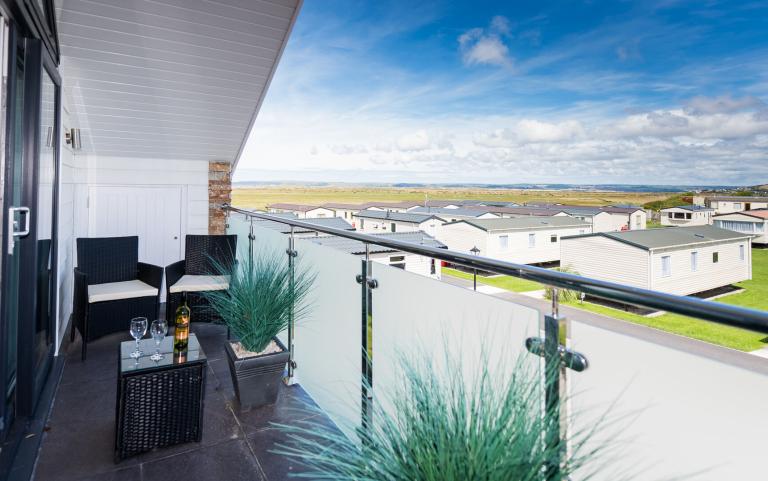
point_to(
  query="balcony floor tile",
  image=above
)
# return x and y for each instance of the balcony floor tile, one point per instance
(79, 440)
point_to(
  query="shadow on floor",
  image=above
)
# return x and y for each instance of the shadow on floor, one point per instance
(79, 440)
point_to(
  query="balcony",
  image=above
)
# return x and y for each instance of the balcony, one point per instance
(681, 407)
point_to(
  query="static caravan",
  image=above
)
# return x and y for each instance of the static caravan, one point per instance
(415, 263)
(523, 240)
(626, 218)
(676, 260)
(753, 222)
(377, 221)
(345, 211)
(401, 207)
(735, 203)
(454, 214)
(302, 211)
(519, 211)
(300, 232)
(684, 215)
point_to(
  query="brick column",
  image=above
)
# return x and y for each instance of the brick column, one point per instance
(219, 192)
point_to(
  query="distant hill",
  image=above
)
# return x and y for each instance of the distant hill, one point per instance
(650, 188)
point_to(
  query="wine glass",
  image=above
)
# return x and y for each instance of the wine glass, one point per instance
(138, 329)
(158, 330)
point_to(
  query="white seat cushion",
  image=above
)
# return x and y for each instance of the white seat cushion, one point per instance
(200, 283)
(112, 291)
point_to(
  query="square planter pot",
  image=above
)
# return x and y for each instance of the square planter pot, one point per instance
(257, 379)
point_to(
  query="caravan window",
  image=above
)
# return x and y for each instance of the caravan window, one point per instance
(503, 241)
(531, 240)
(666, 266)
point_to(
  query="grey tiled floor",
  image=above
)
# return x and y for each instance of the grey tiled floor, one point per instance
(79, 440)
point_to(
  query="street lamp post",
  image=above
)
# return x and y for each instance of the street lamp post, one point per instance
(476, 252)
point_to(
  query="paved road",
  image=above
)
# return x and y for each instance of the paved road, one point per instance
(542, 305)
(545, 307)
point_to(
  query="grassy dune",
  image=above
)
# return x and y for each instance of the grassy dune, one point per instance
(259, 197)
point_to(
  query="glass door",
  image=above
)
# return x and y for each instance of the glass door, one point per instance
(45, 224)
(30, 175)
(14, 214)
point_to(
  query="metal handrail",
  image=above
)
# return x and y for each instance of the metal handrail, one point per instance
(689, 306)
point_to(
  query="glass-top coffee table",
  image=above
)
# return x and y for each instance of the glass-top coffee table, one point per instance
(159, 403)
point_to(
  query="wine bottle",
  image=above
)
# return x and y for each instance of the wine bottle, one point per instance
(181, 336)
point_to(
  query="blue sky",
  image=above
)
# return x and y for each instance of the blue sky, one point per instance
(581, 92)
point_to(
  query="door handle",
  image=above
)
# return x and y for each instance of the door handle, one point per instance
(12, 232)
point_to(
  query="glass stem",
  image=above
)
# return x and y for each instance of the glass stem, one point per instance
(137, 345)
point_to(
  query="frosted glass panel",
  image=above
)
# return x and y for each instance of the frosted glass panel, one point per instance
(328, 341)
(414, 314)
(238, 225)
(676, 413)
(270, 243)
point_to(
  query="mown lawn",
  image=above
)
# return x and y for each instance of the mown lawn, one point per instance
(509, 283)
(722, 335)
(755, 296)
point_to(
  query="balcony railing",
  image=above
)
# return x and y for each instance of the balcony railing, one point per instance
(695, 408)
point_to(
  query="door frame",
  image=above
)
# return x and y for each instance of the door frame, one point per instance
(30, 379)
(34, 377)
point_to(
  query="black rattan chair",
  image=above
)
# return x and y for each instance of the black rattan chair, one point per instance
(204, 255)
(112, 287)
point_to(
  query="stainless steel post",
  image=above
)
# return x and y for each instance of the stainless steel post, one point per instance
(291, 251)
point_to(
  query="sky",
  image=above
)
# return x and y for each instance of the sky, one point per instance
(648, 92)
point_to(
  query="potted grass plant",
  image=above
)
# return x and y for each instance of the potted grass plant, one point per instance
(262, 298)
(441, 424)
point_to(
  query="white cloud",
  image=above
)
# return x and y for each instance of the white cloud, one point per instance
(484, 46)
(713, 105)
(677, 122)
(414, 142)
(665, 146)
(347, 149)
(531, 131)
(501, 25)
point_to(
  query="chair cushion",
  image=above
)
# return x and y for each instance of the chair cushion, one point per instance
(189, 283)
(112, 291)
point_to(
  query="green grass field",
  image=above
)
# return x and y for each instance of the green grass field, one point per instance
(754, 296)
(509, 283)
(259, 197)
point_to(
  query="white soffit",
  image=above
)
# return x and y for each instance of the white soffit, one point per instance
(179, 79)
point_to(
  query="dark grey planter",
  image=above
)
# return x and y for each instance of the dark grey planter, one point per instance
(257, 379)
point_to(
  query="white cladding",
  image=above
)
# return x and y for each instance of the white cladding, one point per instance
(523, 246)
(316, 213)
(729, 206)
(172, 79)
(745, 224)
(682, 270)
(378, 226)
(417, 264)
(619, 221)
(676, 216)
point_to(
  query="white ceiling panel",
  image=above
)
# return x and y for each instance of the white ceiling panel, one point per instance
(177, 79)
